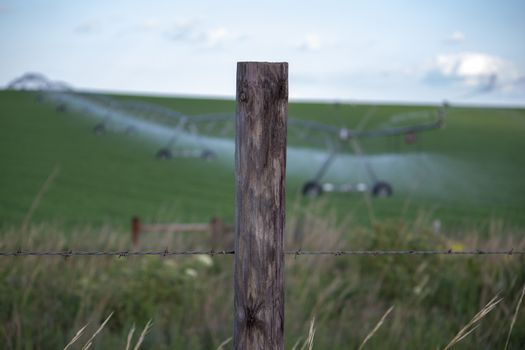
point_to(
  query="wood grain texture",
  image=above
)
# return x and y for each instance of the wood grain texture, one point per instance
(260, 163)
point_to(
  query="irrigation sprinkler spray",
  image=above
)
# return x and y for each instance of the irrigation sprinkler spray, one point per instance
(342, 137)
(190, 137)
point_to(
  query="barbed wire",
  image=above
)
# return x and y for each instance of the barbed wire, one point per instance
(70, 253)
(166, 252)
(407, 252)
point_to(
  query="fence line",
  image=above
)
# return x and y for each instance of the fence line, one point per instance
(166, 252)
(260, 158)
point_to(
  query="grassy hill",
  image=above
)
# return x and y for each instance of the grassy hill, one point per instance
(468, 174)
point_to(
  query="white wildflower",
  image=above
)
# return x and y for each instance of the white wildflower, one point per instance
(205, 260)
(191, 272)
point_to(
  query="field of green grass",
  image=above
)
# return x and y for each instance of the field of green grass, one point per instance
(467, 175)
(63, 187)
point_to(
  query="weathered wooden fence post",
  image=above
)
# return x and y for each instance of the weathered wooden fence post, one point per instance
(260, 164)
(135, 231)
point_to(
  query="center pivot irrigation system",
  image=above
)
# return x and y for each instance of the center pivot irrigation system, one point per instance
(186, 135)
(341, 138)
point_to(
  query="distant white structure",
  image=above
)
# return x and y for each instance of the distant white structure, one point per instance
(37, 82)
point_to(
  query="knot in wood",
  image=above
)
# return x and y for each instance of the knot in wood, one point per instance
(243, 97)
(252, 317)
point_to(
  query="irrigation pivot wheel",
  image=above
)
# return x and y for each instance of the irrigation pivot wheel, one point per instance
(99, 129)
(208, 154)
(164, 153)
(312, 189)
(382, 189)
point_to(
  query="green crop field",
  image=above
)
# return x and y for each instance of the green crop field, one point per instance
(467, 174)
(62, 186)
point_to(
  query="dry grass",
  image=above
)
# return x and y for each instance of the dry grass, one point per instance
(376, 328)
(190, 300)
(474, 323)
(224, 343)
(147, 327)
(130, 337)
(76, 337)
(514, 317)
(308, 343)
(89, 342)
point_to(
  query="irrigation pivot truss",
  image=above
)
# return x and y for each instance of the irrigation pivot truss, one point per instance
(184, 136)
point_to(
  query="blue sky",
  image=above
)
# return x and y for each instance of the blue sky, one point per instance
(400, 51)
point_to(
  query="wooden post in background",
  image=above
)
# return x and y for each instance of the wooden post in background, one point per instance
(260, 164)
(135, 231)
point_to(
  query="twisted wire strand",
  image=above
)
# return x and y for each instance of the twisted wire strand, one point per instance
(166, 252)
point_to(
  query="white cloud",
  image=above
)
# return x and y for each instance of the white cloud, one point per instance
(87, 27)
(192, 33)
(149, 24)
(456, 37)
(475, 70)
(311, 42)
(185, 31)
(216, 37)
